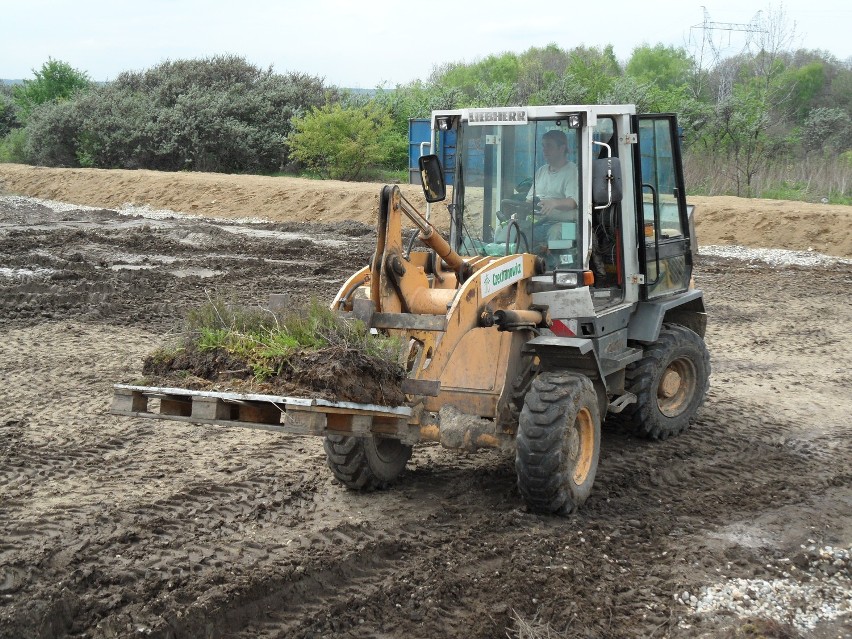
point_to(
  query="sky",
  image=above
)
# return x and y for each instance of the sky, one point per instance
(376, 42)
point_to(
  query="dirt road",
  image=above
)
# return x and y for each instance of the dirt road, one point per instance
(113, 527)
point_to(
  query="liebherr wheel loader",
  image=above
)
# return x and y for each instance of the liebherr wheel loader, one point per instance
(562, 297)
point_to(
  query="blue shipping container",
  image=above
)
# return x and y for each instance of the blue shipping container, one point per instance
(418, 132)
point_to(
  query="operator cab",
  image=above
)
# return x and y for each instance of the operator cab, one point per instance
(521, 187)
(504, 181)
(548, 180)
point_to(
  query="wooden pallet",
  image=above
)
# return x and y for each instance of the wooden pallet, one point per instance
(295, 415)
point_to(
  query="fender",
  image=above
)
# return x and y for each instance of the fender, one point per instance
(686, 309)
(576, 354)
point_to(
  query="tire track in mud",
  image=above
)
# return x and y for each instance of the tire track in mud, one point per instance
(102, 264)
(636, 479)
(117, 527)
(352, 574)
(636, 506)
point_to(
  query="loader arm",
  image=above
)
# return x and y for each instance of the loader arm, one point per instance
(444, 310)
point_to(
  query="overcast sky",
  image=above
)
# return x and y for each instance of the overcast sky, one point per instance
(373, 42)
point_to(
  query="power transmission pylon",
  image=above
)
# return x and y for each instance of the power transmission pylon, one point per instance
(707, 28)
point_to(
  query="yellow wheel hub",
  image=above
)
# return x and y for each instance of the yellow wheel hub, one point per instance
(677, 387)
(581, 446)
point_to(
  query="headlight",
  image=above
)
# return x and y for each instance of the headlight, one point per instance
(566, 279)
(573, 279)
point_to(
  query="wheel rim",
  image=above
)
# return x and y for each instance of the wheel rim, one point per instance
(581, 446)
(676, 387)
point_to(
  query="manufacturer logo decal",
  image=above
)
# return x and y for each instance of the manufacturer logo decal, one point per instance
(504, 275)
(481, 117)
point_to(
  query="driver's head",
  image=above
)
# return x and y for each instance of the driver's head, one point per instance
(554, 145)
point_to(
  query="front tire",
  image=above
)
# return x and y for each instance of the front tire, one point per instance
(558, 443)
(365, 463)
(670, 383)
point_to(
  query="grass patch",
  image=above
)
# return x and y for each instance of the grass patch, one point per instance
(387, 176)
(809, 179)
(801, 192)
(305, 349)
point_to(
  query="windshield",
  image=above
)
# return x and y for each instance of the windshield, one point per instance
(520, 191)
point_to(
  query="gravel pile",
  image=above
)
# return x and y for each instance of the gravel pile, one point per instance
(19, 201)
(24, 273)
(145, 210)
(773, 257)
(815, 585)
(129, 208)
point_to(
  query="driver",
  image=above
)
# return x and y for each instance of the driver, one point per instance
(555, 184)
(552, 198)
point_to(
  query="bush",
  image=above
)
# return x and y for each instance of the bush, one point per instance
(51, 132)
(8, 119)
(827, 129)
(346, 143)
(12, 147)
(220, 114)
(255, 331)
(307, 346)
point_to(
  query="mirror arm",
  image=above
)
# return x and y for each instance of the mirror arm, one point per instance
(608, 175)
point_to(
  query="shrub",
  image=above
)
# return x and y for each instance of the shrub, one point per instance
(254, 330)
(827, 129)
(12, 147)
(223, 339)
(8, 119)
(219, 114)
(345, 143)
(51, 132)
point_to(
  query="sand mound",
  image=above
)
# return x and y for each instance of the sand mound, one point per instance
(720, 220)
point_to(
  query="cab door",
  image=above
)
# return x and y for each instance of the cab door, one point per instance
(665, 255)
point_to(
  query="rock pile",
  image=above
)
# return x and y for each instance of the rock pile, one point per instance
(812, 586)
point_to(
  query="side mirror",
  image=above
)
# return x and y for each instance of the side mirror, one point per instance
(606, 182)
(432, 177)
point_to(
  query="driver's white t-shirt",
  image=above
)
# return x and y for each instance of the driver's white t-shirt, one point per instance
(558, 184)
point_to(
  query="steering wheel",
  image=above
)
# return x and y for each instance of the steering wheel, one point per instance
(520, 209)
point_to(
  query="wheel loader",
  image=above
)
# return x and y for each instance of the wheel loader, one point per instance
(562, 297)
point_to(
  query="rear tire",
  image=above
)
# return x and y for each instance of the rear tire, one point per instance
(558, 443)
(670, 383)
(365, 463)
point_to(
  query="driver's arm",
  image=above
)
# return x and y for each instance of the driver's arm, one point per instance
(558, 209)
(561, 209)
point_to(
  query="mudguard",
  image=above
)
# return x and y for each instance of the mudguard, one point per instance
(686, 309)
(566, 353)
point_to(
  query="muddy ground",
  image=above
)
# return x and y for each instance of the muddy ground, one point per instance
(115, 527)
(801, 226)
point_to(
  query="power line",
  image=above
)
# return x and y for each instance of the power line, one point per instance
(708, 27)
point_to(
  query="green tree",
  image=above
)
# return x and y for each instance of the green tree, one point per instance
(55, 81)
(589, 78)
(743, 121)
(344, 143)
(839, 92)
(470, 78)
(665, 67)
(594, 68)
(539, 69)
